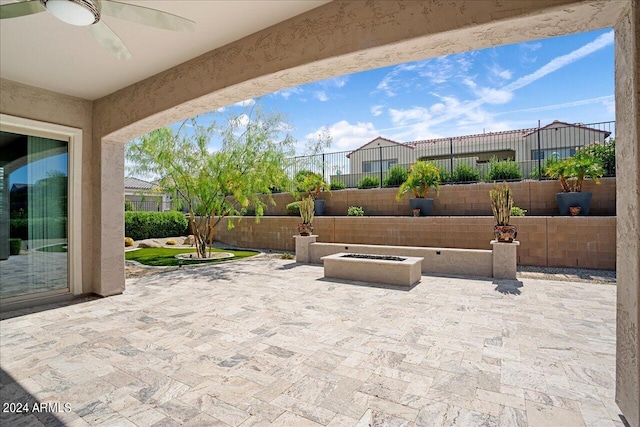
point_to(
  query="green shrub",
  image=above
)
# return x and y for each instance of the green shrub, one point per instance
(446, 177)
(516, 211)
(464, 172)
(56, 227)
(146, 225)
(14, 246)
(338, 185)
(396, 176)
(293, 209)
(368, 182)
(128, 205)
(501, 170)
(355, 211)
(604, 154)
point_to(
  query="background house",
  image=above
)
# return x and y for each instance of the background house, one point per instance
(145, 196)
(529, 147)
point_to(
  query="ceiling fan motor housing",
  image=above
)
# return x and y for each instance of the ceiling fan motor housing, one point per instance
(74, 12)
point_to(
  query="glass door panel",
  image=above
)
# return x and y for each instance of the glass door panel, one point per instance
(33, 215)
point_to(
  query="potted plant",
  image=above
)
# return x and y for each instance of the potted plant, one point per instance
(571, 172)
(501, 204)
(312, 183)
(305, 228)
(422, 176)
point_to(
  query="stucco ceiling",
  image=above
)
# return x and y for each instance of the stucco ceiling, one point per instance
(42, 51)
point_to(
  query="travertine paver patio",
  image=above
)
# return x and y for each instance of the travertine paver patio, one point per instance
(269, 341)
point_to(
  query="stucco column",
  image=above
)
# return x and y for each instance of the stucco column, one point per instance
(4, 215)
(303, 251)
(505, 259)
(627, 79)
(109, 208)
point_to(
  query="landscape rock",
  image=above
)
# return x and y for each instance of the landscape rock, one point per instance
(149, 243)
(189, 240)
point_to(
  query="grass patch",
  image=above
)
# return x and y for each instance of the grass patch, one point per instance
(166, 256)
(60, 247)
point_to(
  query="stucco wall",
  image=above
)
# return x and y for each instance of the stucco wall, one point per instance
(627, 58)
(537, 197)
(38, 104)
(586, 242)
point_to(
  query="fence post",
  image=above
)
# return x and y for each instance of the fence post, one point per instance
(451, 155)
(324, 178)
(539, 154)
(380, 183)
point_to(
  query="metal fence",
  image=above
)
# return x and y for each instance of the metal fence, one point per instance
(144, 205)
(460, 159)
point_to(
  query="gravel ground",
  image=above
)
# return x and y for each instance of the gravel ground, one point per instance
(604, 277)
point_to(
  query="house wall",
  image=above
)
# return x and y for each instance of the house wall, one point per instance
(537, 197)
(627, 87)
(404, 155)
(49, 107)
(558, 136)
(584, 242)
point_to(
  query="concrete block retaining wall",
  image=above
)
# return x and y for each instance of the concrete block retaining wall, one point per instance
(537, 197)
(584, 242)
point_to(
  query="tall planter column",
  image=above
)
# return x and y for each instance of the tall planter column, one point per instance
(303, 243)
(505, 259)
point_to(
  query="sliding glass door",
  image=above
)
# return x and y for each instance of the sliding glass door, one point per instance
(34, 209)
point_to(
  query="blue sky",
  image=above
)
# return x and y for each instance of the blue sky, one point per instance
(566, 78)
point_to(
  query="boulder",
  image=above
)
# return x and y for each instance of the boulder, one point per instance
(149, 243)
(171, 242)
(189, 240)
(128, 242)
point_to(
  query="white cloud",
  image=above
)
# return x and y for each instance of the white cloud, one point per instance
(287, 93)
(430, 72)
(376, 110)
(495, 96)
(500, 72)
(321, 96)
(246, 103)
(608, 101)
(347, 136)
(411, 115)
(335, 82)
(562, 61)
(241, 121)
(488, 95)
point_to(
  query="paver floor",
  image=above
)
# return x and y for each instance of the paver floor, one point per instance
(269, 341)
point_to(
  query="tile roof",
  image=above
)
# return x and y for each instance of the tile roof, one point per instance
(138, 184)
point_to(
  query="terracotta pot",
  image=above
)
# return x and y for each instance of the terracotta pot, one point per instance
(575, 210)
(567, 200)
(305, 229)
(425, 205)
(505, 233)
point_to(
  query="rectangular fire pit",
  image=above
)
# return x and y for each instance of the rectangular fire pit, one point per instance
(388, 270)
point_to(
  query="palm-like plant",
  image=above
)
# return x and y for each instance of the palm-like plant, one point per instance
(572, 171)
(422, 176)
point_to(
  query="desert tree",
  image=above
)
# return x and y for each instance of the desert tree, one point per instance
(216, 183)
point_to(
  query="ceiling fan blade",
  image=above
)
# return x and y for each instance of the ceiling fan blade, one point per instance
(15, 10)
(109, 40)
(146, 16)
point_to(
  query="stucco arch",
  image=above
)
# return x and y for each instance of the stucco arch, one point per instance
(345, 37)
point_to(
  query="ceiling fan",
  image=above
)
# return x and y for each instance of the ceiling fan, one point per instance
(89, 13)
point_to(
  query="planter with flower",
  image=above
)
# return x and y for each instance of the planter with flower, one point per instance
(305, 228)
(422, 176)
(312, 184)
(501, 204)
(571, 173)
